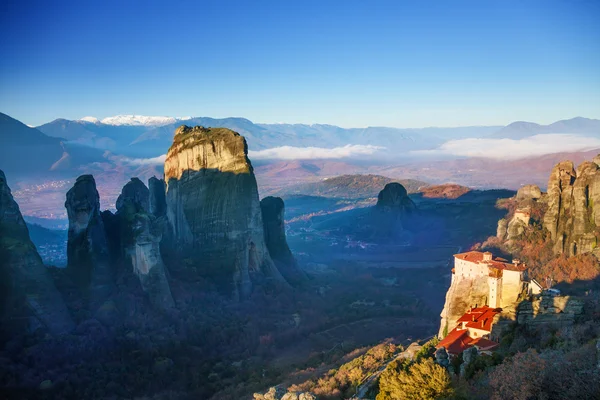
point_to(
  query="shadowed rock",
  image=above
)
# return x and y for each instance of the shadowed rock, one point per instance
(214, 211)
(391, 212)
(26, 287)
(157, 201)
(141, 233)
(87, 247)
(273, 210)
(394, 198)
(134, 194)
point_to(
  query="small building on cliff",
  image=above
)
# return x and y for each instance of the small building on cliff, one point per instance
(505, 280)
(473, 330)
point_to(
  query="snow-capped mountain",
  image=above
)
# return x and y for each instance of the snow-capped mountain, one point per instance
(133, 120)
(92, 120)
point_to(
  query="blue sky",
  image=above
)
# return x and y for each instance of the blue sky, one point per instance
(349, 63)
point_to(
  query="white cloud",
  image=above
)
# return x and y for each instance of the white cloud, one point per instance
(312, 153)
(145, 161)
(513, 149)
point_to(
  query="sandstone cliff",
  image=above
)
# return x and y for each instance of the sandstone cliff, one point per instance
(573, 215)
(214, 211)
(87, 247)
(26, 287)
(141, 233)
(273, 209)
(463, 294)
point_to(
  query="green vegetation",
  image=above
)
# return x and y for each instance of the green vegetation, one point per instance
(420, 380)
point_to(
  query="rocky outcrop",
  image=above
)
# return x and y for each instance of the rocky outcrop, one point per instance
(147, 262)
(394, 199)
(157, 201)
(141, 233)
(529, 192)
(27, 291)
(549, 310)
(277, 393)
(273, 209)
(213, 210)
(134, 195)
(392, 213)
(87, 247)
(573, 215)
(464, 293)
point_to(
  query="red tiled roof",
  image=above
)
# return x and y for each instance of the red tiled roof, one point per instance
(484, 344)
(496, 262)
(473, 256)
(456, 341)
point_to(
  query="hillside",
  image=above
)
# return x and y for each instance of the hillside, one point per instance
(25, 150)
(350, 186)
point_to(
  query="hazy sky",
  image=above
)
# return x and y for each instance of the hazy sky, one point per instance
(349, 63)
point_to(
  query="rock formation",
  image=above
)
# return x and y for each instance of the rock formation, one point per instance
(464, 293)
(513, 229)
(548, 309)
(157, 201)
(573, 216)
(394, 198)
(87, 247)
(277, 393)
(391, 213)
(214, 211)
(26, 287)
(528, 192)
(273, 209)
(141, 233)
(135, 195)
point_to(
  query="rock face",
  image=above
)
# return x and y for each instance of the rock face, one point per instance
(464, 293)
(553, 310)
(277, 393)
(213, 210)
(26, 287)
(157, 201)
(573, 215)
(529, 192)
(134, 194)
(141, 234)
(87, 247)
(273, 209)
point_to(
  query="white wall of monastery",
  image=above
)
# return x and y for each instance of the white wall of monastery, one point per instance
(469, 269)
(511, 287)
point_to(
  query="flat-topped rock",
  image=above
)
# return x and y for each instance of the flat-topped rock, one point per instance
(213, 209)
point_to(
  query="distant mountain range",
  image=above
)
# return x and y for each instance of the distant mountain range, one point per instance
(136, 136)
(145, 137)
(578, 125)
